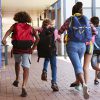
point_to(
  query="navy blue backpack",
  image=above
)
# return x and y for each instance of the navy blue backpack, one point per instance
(79, 29)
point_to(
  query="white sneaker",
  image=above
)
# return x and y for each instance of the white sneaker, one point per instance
(85, 92)
(78, 87)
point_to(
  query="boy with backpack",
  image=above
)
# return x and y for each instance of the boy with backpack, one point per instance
(95, 61)
(23, 46)
(47, 49)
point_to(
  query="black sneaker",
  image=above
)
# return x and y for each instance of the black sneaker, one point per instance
(96, 82)
(24, 93)
(15, 83)
(54, 86)
(44, 76)
(74, 84)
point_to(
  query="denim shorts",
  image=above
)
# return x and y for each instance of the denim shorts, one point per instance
(95, 60)
(24, 59)
(89, 49)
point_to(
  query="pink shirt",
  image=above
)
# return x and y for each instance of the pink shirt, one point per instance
(94, 32)
(57, 36)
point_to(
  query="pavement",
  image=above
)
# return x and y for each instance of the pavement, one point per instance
(40, 90)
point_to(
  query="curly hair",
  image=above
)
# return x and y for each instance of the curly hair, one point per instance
(95, 21)
(46, 22)
(22, 17)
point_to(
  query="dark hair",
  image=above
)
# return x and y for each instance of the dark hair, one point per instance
(95, 21)
(77, 8)
(46, 22)
(22, 17)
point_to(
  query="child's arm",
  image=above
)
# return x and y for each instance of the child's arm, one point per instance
(64, 27)
(93, 28)
(6, 35)
(57, 36)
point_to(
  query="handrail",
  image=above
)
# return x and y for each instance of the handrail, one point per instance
(5, 54)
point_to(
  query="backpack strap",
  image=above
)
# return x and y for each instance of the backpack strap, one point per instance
(71, 20)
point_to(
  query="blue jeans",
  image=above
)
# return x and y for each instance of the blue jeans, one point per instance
(75, 52)
(53, 67)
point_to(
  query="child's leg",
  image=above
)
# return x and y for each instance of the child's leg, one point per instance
(26, 61)
(17, 70)
(45, 65)
(87, 60)
(53, 62)
(25, 76)
(96, 72)
(53, 68)
(96, 82)
(44, 71)
(95, 62)
(95, 65)
(17, 58)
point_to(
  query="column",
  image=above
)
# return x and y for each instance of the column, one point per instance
(62, 21)
(0, 36)
(93, 7)
(56, 16)
(66, 11)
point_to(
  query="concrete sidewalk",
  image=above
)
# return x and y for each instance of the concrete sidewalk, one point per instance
(39, 90)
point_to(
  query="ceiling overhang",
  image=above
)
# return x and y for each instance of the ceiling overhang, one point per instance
(25, 5)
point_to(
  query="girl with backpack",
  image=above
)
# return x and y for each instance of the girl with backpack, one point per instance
(47, 49)
(23, 46)
(79, 32)
(87, 58)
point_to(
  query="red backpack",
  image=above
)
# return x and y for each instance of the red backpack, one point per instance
(22, 36)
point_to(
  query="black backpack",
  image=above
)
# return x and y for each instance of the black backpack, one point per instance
(46, 47)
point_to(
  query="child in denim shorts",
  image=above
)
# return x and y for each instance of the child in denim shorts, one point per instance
(22, 56)
(95, 61)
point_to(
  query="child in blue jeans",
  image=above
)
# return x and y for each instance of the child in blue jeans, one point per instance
(46, 25)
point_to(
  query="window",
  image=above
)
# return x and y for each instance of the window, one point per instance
(87, 12)
(98, 12)
(97, 3)
(86, 3)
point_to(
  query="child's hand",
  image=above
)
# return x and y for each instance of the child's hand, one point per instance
(59, 40)
(4, 42)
